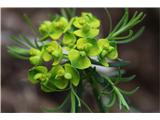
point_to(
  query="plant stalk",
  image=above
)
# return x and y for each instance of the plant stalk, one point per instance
(95, 90)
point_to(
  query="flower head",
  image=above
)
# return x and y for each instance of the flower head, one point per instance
(53, 29)
(107, 51)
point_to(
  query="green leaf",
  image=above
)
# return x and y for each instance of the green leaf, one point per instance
(57, 70)
(18, 50)
(53, 29)
(18, 41)
(86, 18)
(58, 77)
(61, 83)
(69, 39)
(121, 21)
(29, 42)
(36, 70)
(91, 33)
(119, 63)
(35, 60)
(46, 56)
(128, 25)
(130, 34)
(90, 46)
(55, 50)
(112, 101)
(122, 101)
(75, 74)
(47, 89)
(135, 36)
(71, 12)
(103, 44)
(46, 28)
(113, 54)
(103, 61)
(56, 35)
(90, 19)
(77, 60)
(129, 92)
(35, 57)
(125, 79)
(29, 22)
(64, 13)
(16, 55)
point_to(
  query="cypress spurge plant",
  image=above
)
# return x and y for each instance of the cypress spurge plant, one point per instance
(72, 48)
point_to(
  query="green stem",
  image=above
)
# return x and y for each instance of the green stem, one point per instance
(73, 104)
(95, 90)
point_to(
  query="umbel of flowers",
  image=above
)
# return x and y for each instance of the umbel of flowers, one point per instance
(77, 38)
(66, 52)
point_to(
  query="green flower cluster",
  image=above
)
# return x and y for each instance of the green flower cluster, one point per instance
(68, 46)
(67, 49)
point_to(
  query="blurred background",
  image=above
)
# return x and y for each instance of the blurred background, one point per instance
(18, 95)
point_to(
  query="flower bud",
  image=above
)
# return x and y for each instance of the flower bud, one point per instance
(68, 76)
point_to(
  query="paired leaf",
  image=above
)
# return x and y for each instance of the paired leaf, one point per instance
(90, 46)
(58, 77)
(53, 29)
(33, 72)
(53, 50)
(77, 60)
(69, 40)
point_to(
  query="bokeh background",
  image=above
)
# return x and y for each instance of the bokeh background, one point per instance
(18, 95)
